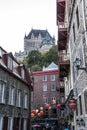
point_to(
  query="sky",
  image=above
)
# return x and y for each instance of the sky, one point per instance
(18, 17)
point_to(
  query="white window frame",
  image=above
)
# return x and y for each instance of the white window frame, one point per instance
(62, 99)
(19, 93)
(52, 77)
(10, 63)
(53, 87)
(2, 91)
(44, 77)
(12, 95)
(1, 123)
(45, 87)
(25, 124)
(10, 123)
(26, 100)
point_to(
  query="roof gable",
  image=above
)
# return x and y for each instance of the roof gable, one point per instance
(52, 66)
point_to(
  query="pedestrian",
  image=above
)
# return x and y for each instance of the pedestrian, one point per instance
(66, 128)
(47, 126)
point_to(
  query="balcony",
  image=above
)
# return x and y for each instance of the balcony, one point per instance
(62, 38)
(64, 65)
(60, 10)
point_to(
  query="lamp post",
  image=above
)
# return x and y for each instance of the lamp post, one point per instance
(77, 63)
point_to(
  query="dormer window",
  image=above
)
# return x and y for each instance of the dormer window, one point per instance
(10, 63)
(22, 73)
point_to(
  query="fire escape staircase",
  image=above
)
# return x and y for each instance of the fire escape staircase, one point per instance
(63, 57)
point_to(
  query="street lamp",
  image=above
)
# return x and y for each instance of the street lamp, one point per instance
(77, 63)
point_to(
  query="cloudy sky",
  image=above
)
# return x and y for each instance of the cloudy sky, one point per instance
(18, 17)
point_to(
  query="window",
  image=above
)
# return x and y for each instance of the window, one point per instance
(62, 99)
(10, 123)
(1, 122)
(10, 64)
(2, 91)
(22, 73)
(25, 100)
(52, 77)
(74, 37)
(77, 17)
(45, 78)
(85, 99)
(53, 87)
(19, 98)
(45, 87)
(77, 108)
(12, 95)
(80, 104)
(25, 124)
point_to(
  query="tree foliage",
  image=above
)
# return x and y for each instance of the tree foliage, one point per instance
(36, 60)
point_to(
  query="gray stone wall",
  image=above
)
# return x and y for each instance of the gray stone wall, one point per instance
(12, 110)
(78, 50)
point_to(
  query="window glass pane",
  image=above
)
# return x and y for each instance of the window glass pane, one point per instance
(52, 77)
(19, 98)
(2, 91)
(10, 123)
(1, 122)
(12, 95)
(85, 99)
(22, 73)
(26, 100)
(74, 37)
(77, 16)
(77, 108)
(10, 63)
(53, 87)
(45, 78)
(80, 104)
(25, 124)
(44, 87)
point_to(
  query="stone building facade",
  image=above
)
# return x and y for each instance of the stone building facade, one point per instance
(78, 49)
(15, 93)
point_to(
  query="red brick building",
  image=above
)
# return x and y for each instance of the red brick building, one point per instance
(46, 86)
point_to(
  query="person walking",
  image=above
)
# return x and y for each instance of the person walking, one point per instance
(47, 126)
